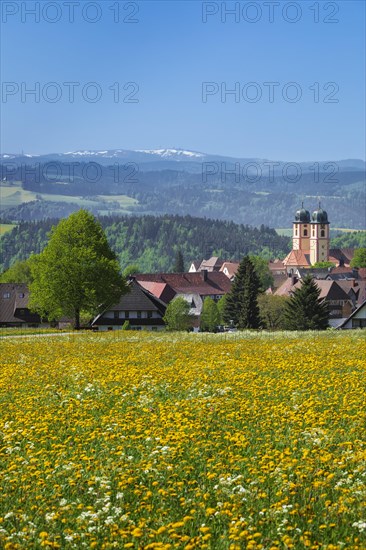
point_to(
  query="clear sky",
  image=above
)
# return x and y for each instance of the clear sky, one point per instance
(312, 52)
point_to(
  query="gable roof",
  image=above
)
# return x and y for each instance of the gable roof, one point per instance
(341, 255)
(203, 283)
(136, 299)
(329, 290)
(355, 312)
(10, 308)
(212, 263)
(297, 258)
(231, 267)
(163, 291)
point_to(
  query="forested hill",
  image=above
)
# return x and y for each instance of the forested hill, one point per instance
(152, 242)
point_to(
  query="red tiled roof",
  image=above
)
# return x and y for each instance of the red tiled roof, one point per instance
(298, 258)
(163, 291)
(216, 282)
(232, 268)
(328, 289)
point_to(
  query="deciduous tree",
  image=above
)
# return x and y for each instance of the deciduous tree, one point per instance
(77, 271)
(210, 316)
(359, 258)
(177, 315)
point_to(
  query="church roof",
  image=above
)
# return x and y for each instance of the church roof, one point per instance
(297, 258)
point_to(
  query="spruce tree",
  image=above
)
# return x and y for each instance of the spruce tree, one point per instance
(179, 263)
(241, 307)
(305, 310)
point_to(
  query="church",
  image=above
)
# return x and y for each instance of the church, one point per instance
(311, 242)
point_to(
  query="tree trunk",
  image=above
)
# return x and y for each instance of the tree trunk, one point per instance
(77, 319)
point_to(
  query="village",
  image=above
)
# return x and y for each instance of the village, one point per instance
(341, 286)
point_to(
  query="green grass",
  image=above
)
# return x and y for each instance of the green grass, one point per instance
(13, 195)
(5, 227)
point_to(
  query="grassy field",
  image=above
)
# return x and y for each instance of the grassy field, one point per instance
(233, 441)
(14, 195)
(5, 227)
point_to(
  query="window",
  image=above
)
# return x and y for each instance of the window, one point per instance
(21, 294)
(139, 315)
(322, 233)
(6, 295)
(358, 323)
(149, 314)
(127, 314)
(305, 232)
(116, 314)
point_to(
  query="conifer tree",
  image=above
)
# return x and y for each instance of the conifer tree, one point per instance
(179, 263)
(241, 307)
(305, 310)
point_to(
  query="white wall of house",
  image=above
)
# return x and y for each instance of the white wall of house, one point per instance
(110, 327)
(132, 315)
(358, 320)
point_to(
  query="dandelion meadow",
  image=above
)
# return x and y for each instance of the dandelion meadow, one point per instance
(238, 441)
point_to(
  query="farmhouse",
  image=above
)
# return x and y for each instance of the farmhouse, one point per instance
(193, 287)
(356, 320)
(139, 307)
(339, 302)
(14, 311)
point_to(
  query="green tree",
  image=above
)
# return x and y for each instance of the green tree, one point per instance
(19, 272)
(221, 308)
(264, 274)
(305, 310)
(271, 310)
(359, 258)
(77, 272)
(323, 264)
(210, 316)
(131, 269)
(241, 306)
(179, 263)
(177, 315)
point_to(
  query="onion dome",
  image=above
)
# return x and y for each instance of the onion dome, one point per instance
(319, 216)
(302, 216)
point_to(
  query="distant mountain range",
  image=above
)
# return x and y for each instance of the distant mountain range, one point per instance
(252, 191)
(161, 159)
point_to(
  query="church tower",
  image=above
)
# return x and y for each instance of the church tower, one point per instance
(319, 238)
(301, 230)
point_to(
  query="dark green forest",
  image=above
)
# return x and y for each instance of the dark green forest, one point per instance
(153, 242)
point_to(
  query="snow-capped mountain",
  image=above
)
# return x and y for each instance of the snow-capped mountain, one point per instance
(168, 159)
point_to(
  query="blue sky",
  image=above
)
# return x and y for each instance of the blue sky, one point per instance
(168, 54)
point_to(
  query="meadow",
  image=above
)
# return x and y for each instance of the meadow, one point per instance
(162, 441)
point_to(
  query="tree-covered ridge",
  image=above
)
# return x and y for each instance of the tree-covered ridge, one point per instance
(153, 242)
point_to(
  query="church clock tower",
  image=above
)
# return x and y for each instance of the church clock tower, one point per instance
(301, 230)
(319, 238)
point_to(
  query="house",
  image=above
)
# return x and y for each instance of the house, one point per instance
(138, 306)
(193, 287)
(230, 269)
(14, 310)
(357, 319)
(339, 302)
(212, 264)
(278, 271)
